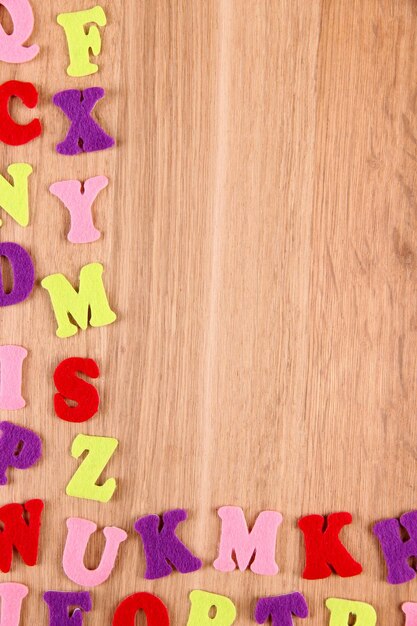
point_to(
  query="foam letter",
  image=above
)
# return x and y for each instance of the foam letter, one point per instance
(18, 534)
(83, 483)
(23, 274)
(155, 610)
(202, 602)
(396, 551)
(410, 611)
(60, 603)
(12, 49)
(66, 300)
(324, 548)
(281, 609)
(341, 610)
(236, 538)
(85, 135)
(79, 205)
(79, 533)
(81, 42)
(11, 596)
(11, 133)
(11, 365)
(162, 547)
(70, 386)
(14, 199)
(19, 448)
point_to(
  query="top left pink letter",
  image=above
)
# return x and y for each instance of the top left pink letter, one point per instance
(12, 49)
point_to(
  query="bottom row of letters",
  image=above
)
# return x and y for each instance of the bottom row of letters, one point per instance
(207, 609)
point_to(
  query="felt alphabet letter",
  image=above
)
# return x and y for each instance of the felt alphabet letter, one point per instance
(236, 538)
(163, 549)
(23, 274)
(11, 365)
(18, 534)
(281, 609)
(60, 603)
(66, 300)
(341, 610)
(410, 611)
(14, 199)
(70, 386)
(79, 205)
(202, 602)
(396, 551)
(324, 548)
(83, 483)
(155, 610)
(12, 49)
(79, 533)
(11, 133)
(85, 135)
(19, 448)
(11, 597)
(81, 42)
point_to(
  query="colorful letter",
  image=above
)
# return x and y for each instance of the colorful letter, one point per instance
(341, 610)
(85, 135)
(81, 42)
(281, 609)
(19, 448)
(11, 365)
(155, 610)
(11, 596)
(324, 548)
(14, 199)
(83, 483)
(236, 538)
(11, 133)
(79, 205)
(202, 602)
(163, 549)
(79, 533)
(23, 274)
(396, 551)
(66, 300)
(70, 386)
(18, 534)
(61, 603)
(410, 611)
(12, 49)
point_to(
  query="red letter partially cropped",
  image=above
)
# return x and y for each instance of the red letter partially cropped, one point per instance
(324, 550)
(19, 534)
(155, 610)
(71, 387)
(17, 134)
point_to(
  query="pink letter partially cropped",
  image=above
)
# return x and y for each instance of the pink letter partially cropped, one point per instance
(11, 596)
(11, 363)
(260, 541)
(12, 49)
(79, 533)
(79, 205)
(410, 611)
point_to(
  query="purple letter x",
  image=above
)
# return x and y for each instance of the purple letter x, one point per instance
(85, 135)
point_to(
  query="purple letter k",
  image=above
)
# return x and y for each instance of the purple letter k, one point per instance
(85, 135)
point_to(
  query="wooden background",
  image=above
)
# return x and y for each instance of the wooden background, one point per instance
(259, 244)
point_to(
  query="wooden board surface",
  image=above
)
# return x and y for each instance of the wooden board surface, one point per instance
(259, 244)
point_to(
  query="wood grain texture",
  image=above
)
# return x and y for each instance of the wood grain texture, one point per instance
(260, 249)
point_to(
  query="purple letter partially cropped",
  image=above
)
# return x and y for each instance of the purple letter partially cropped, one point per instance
(281, 609)
(85, 135)
(396, 551)
(163, 545)
(23, 274)
(19, 448)
(59, 603)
